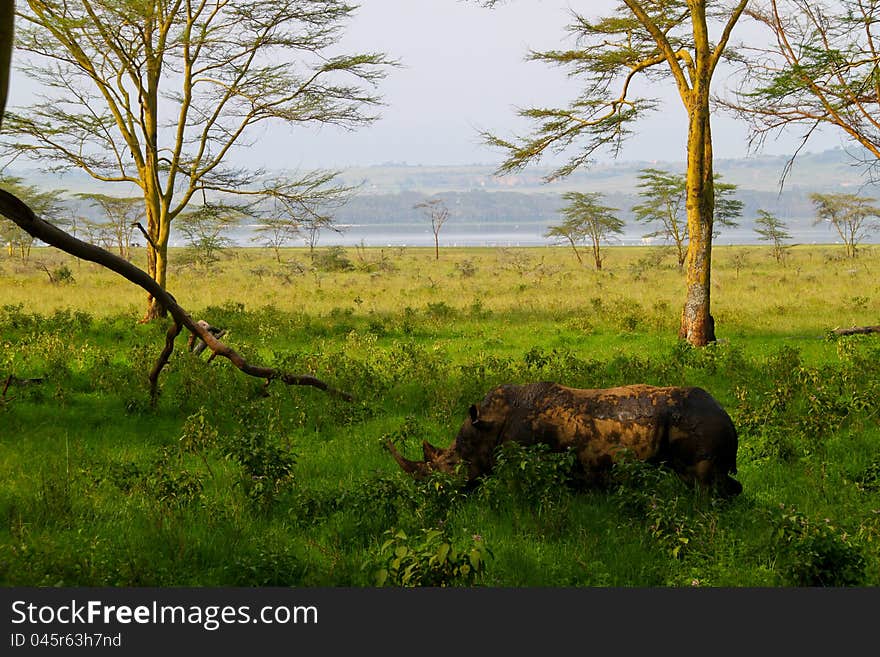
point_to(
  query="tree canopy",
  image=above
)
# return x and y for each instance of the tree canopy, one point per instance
(159, 94)
(818, 69)
(851, 216)
(585, 218)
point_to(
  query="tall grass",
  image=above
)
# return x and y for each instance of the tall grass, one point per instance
(223, 484)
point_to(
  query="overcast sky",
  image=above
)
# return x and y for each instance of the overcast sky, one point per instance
(464, 70)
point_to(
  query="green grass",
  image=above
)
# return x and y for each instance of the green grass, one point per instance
(220, 484)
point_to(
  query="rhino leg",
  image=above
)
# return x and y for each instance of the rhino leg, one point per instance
(706, 474)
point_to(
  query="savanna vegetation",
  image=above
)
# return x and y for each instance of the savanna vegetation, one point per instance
(225, 481)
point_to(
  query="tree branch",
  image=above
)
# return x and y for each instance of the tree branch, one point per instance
(19, 213)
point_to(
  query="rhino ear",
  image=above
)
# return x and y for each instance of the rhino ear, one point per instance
(474, 412)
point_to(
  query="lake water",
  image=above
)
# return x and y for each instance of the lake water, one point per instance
(379, 236)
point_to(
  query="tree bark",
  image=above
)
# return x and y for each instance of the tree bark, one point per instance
(697, 325)
(7, 25)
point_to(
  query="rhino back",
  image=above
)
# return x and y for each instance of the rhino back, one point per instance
(680, 424)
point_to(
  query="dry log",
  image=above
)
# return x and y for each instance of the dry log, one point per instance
(19, 213)
(10, 381)
(857, 330)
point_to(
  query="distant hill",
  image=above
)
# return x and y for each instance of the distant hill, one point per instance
(517, 208)
(523, 204)
(829, 169)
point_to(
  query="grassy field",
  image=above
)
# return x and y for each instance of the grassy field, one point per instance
(221, 483)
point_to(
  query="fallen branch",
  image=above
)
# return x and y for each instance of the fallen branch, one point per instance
(10, 381)
(857, 330)
(16, 381)
(19, 213)
(146, 235)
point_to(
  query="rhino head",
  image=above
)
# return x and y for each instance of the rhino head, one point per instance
(436, 459)
(472, 448)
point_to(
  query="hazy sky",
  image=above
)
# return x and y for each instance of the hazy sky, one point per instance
(464, 70)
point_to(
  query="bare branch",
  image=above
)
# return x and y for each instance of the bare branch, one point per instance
(15, 210)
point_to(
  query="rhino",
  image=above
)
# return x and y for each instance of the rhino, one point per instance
(682, 427)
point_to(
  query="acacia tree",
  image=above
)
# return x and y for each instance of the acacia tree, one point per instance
(586, 218)
(300, 212)
(14, 209)
(772, 229)
(850, 215)
(664, 203)
(120, 217)
(644, 38)
(664, 195)
(47, 203)
(159, 94)
(818, 69)
(205, 228)
(438, 213)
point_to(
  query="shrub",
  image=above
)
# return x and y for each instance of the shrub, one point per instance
(430, 558)
(63, 276)
(266, 460)
(869, 479)
(530, 476)
(466, 268)
(657, 496)
(174, 487)
(333, 259)
(818, 553)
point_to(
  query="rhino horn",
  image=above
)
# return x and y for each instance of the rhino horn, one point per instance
(416, 468)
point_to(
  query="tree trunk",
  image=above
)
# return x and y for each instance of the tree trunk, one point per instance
(575, 249)
(157, 255)
(697, 325)
(7, 23)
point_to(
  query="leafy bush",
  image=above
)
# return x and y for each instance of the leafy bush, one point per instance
(529, 476)
(466, 268)
(172, 485)
(429, 559)
(265, 457)
(440, 310)
(63, 275)
(818, 553)
(332, 259)
(657, 496)
(869, 480)
(437, 495)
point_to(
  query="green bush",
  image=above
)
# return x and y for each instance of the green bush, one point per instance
(333, 259)
(658, 497)
(530, 476)
(430, 558)
(265, 456)
(817, 553)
